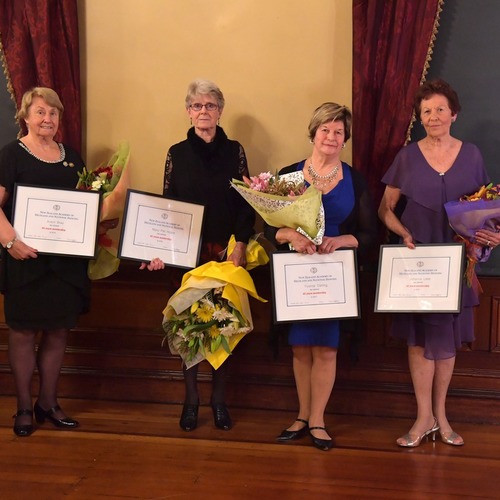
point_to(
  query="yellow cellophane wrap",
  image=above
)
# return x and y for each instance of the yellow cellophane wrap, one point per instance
(113, 204)
(237, 284)
(285, 211)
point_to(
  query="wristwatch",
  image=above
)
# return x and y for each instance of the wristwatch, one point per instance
(8, 245)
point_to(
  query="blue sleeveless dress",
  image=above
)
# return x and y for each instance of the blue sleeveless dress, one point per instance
(338, 204)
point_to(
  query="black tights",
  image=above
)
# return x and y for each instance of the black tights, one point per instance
(218, 384)
(48, 359)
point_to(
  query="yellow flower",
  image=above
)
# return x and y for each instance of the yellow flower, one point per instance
(204, 313)
(213, 332)
(194, 306)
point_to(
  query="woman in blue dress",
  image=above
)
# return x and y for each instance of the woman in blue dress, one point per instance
(349, 223)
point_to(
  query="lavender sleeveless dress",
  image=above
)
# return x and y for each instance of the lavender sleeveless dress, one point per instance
(426, 192)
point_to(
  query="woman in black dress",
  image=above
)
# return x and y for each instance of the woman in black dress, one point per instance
(199, 170)
(42, 293)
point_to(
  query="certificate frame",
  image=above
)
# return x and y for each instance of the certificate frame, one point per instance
(426, 279)
(157, 226)
(305, 286)
(57, 221)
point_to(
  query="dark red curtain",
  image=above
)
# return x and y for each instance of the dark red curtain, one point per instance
(40, 47)
(392, 43)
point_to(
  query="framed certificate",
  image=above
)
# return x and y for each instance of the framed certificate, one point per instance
(425, 279)
(155, 226)
(315, 287)
(57, 221)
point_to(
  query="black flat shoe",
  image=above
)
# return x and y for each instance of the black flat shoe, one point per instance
(321, 444)
(287, 435)
(62, 423)
(222, 420)
(23, 430)
(189, 417)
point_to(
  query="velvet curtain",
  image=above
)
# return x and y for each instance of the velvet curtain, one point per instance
(39, 41)
(393, 42)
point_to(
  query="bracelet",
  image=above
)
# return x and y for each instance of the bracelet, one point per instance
(9, 244)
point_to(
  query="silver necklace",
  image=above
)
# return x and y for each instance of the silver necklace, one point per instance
(321, 181)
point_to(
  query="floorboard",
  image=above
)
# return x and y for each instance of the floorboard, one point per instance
(137, 451)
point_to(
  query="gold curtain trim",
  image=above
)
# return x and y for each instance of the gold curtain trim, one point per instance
(10, 88)
(428, 58)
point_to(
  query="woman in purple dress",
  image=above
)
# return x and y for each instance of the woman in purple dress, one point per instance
(427, 174)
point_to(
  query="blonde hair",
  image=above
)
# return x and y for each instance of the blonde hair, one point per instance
(330, 112)
(48, 95)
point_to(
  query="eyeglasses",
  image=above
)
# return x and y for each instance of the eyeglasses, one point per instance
(209, 106)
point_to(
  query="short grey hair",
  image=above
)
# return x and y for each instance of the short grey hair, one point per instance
(204, 87)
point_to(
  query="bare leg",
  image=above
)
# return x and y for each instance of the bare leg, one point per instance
(49, 361)
(302, 366)
(422, 375)
(22, 359)
(323, 374)
(442, 379)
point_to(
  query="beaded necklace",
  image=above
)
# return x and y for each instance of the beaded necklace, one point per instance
(321, 181)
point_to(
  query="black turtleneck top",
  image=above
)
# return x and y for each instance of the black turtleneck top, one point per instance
(200, 172)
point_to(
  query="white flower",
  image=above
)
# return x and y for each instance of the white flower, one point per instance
(96, 185)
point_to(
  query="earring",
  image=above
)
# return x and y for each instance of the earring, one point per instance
(311, 141)
(343, 145)
(218, 121)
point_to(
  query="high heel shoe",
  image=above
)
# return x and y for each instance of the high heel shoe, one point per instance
(321, 444)
(23, 430)
(189, 417)
(222, 419)
(451, 438)
(410, 441)
(61, 423)
(287, 435)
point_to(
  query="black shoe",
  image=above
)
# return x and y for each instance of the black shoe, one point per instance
(321, 444)
(189, 417)
(23, 430)
(287, 435)
(222, 420)
(62, 423)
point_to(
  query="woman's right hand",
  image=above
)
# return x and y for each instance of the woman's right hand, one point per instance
(156, 264)
(21, 251)
(298, 242)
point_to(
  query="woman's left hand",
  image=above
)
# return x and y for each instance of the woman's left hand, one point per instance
(106, 225)
(239, 255)
(488, 238)
(331, 243)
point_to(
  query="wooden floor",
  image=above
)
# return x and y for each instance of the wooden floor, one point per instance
(138, 451)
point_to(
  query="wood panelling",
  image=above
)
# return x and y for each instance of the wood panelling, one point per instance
(116, 354)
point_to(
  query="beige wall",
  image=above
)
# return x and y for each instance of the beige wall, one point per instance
(275, 61)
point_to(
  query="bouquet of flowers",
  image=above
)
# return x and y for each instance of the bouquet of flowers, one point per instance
(285, 201)
(210, 313)
(113, 181)
(480, 210)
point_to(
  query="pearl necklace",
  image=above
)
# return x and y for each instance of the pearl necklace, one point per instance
(321, 181)
(61, 159)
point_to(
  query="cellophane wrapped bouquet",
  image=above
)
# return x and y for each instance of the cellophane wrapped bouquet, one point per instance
(285, 201)
(112, 180)
(210, 313)
(480, 210)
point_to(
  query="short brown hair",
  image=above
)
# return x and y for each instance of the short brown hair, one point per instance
(440, 87)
